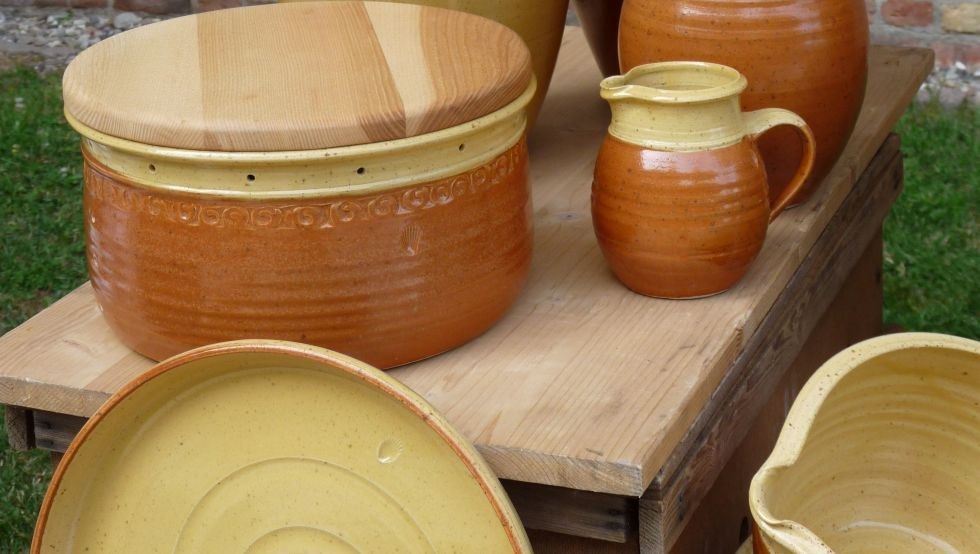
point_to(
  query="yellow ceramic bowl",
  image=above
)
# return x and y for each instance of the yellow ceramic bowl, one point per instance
(264, 446)
(880, 453)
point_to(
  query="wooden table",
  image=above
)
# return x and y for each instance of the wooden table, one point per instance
(607, 414)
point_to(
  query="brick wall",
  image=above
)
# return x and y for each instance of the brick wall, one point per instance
(950, 27)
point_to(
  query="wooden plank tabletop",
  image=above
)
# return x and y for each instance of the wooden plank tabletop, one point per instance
(583, 384)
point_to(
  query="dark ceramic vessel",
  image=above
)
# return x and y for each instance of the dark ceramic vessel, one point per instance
(600, 21)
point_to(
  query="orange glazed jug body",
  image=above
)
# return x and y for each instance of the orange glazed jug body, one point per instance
(680, 203)
(807, 56)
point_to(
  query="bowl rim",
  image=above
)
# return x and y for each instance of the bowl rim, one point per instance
(799, 421)
(360, 371)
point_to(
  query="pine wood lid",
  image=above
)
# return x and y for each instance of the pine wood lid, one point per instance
(298, 76)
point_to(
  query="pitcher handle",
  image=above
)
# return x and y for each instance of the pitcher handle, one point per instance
(759, 122)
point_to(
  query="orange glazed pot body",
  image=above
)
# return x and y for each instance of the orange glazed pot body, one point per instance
(680, 203)
(690, 228)
(387, 277)
(807, 56)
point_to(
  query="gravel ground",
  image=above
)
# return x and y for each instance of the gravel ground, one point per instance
(48, 38)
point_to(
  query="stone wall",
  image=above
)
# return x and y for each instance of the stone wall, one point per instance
(160, 7)
(950, 27)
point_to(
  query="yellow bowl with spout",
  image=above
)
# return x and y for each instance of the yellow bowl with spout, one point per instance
(879, 453)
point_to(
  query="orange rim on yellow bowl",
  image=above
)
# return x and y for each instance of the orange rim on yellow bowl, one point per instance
(266, 446)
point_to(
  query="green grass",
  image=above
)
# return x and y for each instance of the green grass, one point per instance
(932, 259)
(932, 237)
(42, 253)
(23, 479)
(43, 248)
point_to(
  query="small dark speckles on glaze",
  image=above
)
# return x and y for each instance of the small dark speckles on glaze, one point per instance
(688, 226)
(807, 56)
(388, 278)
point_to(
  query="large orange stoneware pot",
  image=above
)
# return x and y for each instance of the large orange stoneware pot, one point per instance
(336, 174)
(807, 56)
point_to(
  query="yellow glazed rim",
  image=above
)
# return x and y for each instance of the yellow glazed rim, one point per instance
(360, 371)
(630, 86)
(347, 170)
(791, 535)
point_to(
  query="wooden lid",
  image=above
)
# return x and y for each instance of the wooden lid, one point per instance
(297, 76)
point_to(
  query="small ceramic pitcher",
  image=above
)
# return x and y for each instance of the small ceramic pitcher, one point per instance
(680, 202)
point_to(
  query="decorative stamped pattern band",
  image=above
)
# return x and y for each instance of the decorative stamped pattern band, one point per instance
(323, 215)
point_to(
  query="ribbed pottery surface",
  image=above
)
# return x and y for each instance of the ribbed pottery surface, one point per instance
(388, 278)
(679, 224)
(891, 459)
(807, 56)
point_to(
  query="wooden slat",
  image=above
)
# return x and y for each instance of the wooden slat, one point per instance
(721, 426)
(572, 512)
(19, 426)
(613, 518)
(722, 519)
(547, 542)
(583, 384)
(54, 431)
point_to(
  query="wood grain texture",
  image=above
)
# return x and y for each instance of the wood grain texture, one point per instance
(54, 431)
(583, 384)
(19, 426)
(297, 76)
(722, 520)
(692, 469)
(574, 512)
(548, 542)
(540, 24)
(854, 315)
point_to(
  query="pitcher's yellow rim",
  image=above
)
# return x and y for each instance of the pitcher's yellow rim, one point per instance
(355, 169)
(624, 87)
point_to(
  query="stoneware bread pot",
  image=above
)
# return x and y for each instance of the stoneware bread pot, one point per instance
(272, 447)
(541, 23)
(879, 453)
(348, 174)
(680, 203)
(807, 56)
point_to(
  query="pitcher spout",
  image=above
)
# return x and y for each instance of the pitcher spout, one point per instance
(679, 106)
